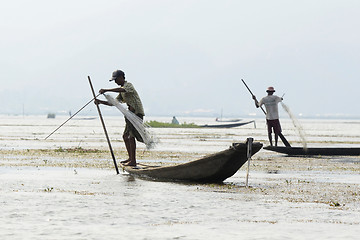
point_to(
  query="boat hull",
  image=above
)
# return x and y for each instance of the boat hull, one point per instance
(227, 125)
(299, 151)
(209, 169)
(228, 120)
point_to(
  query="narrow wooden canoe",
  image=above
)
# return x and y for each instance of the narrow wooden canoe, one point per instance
(299, 151)
(209, 169)
(228, 120)
(228, 125)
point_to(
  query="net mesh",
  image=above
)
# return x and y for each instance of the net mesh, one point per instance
(149, 138)
(297, 125)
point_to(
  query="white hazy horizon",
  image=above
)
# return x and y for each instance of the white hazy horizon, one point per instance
(184, 58)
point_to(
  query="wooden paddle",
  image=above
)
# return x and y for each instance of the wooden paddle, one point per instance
(105, 131)
(283, 139)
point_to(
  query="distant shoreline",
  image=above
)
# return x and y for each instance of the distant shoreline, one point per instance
(283, 116)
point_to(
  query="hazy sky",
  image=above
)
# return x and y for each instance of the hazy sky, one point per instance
(183, 56)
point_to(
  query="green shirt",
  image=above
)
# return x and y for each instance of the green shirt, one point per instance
(131, 98)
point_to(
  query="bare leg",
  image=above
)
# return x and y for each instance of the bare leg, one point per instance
(130, 144)
(127, 145)
(132, 151)
(270, 139)
(276, 139)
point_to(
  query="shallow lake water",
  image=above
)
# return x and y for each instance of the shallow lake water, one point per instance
(288, 198)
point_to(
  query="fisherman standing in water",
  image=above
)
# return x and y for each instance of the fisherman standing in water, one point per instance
(128, 95)
(272, 113)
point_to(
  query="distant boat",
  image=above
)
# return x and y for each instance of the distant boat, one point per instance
(213, 168)
(228, 125)
(82, 118)
(326, 151)
(51, 115)
(85, 118)
(156, 124)
(228, 120)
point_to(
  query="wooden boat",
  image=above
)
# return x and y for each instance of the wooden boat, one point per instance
(156, 124)
(209, 169)
(299, 151)
(228, 120)
(228, 125)
(51, 115)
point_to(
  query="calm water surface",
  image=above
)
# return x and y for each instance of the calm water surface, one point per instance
(52, 203)
(68, 203)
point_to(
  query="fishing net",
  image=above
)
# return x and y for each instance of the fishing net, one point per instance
(296, 124)
(144, 129)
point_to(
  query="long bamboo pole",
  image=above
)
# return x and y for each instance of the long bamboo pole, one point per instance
(71, 117)
(105, 131)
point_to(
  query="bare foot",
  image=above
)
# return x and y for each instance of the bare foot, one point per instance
(130, 163)
(125, 161)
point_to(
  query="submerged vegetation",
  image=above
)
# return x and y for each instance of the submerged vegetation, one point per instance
(156, 124)
(77, 150)
(78, 157)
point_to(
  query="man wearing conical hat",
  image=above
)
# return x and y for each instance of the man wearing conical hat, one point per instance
(272, 113)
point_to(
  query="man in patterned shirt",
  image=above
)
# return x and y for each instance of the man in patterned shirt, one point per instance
(128, 95)
(272, 113)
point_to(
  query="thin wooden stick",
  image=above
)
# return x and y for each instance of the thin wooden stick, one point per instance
(105, 131)
(252, 94)
(71, 117)
(249, 153)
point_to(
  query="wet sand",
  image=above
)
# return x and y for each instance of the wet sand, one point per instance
(67, 188)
